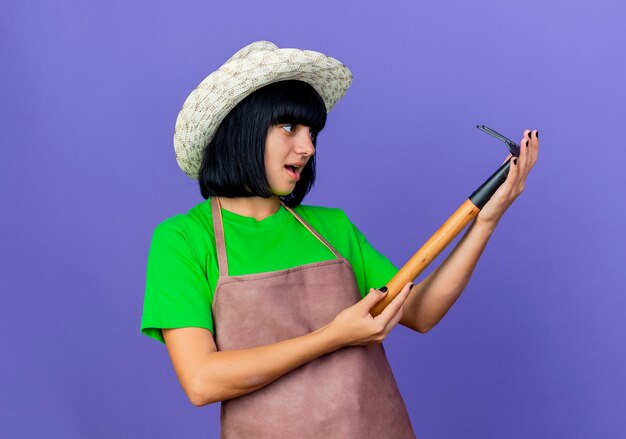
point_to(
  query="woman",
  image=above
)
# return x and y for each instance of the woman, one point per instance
(263, 302)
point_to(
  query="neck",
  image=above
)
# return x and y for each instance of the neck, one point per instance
(256, 207)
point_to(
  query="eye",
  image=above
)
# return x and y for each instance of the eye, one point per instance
(291, 127)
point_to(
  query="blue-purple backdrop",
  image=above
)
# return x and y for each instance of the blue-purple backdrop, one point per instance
(534, 348)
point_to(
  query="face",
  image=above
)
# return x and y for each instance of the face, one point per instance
(288, 148)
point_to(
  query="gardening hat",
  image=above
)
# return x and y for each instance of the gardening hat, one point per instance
(252, 67)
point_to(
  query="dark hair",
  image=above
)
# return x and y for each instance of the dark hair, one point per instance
(233, 162)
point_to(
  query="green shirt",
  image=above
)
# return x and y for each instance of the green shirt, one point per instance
(182, 269)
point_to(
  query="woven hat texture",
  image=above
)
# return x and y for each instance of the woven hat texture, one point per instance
(252, 67)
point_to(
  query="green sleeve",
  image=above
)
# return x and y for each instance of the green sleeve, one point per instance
(375, 268)
(177, 292)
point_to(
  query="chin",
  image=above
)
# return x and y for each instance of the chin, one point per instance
(283, 192)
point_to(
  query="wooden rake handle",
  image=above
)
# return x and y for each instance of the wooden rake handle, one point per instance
(442, 237)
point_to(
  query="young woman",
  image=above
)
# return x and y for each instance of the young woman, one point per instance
(263, 302)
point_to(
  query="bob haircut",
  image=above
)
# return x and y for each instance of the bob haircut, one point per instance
(233, 162)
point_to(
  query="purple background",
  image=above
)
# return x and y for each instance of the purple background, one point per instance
(90, 91)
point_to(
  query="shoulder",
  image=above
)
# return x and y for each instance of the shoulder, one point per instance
(325, 212)
(331, 222)
(192, 228)
(322, 215)
(174, 225)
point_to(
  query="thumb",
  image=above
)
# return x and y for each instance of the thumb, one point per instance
(374, 296)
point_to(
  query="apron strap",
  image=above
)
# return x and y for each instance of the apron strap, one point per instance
(313, 231)
(220, 241)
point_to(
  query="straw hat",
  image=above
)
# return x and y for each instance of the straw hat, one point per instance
(251, 68)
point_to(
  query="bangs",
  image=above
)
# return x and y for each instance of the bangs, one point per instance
(233, 163)
(298, 103)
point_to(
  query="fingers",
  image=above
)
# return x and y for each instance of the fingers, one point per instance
(522, 160)
(534, 147)
(372, 298)
(394, 306)
(530, 148)
(511, 179)
(393, 322)
(400, 312)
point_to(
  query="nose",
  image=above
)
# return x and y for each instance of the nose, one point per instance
(304, 143)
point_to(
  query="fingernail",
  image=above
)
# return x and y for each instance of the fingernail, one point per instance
(383, 289)
(530, 134)
(537, 134)
(411, 287)
(527, 143)
(515, 161)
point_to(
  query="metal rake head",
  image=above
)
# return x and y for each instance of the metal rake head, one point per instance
(511, 145)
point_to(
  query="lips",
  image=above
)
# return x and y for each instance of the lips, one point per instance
(293, 172)
(296, 164)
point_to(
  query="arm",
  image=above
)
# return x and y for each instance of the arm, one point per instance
(434, 296)
(208, 376)
(431, 299)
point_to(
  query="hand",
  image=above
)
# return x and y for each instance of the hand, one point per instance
(355, 326)
(515, 181)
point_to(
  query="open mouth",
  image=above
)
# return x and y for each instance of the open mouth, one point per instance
(293, 171)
